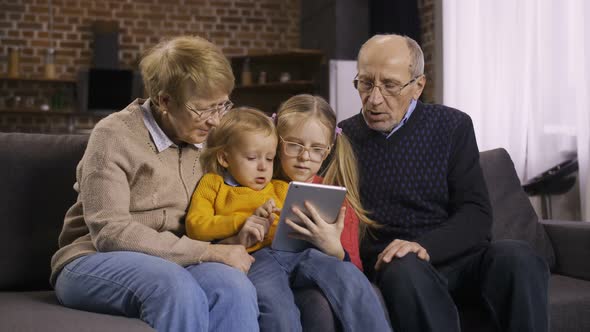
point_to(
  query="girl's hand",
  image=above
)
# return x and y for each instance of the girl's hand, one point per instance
(321, 234)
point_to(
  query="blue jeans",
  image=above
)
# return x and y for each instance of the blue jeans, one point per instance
(276, 273)
(168, 297)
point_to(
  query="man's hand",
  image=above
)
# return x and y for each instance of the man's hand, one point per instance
(232, 255)
(399, 248)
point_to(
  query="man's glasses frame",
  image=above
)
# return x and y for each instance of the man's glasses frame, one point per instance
(388, 89)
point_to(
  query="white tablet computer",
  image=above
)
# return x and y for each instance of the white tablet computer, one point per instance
(326, 199)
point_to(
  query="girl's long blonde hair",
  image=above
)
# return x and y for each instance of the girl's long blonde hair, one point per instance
(241, 120)
(342, 169)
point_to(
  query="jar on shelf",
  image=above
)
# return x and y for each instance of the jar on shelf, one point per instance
(262, 77)
(14, 103)
(285, 77)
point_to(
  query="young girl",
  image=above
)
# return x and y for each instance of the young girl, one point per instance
(234, 203)
(307, 134)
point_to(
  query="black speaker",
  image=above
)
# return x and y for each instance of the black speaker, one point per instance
(106, 44)
(395, 16)
(108, 90)
(338, 28)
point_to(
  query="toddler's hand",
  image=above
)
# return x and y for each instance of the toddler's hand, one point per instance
(267, 209)
(253, 230)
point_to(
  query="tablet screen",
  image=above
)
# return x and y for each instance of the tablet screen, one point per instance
(326, 199)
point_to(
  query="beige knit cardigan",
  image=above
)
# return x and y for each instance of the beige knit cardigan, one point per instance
(130, 196)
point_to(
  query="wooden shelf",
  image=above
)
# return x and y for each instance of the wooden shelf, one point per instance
(289, 52)
(277, 86)
(49, 113)
(32, 112)
(301, 65)
(39, 79)
(292, 55)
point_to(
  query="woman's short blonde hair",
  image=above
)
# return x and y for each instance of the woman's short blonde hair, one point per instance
(176, 64)
(238, 121)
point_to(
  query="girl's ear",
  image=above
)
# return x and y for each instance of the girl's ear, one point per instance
(222, 158)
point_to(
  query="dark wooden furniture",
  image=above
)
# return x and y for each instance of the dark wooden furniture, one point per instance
(301, 66)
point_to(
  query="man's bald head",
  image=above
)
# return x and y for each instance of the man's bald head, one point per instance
(394, 48)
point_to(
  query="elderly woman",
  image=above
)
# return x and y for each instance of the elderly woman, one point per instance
(122, 247)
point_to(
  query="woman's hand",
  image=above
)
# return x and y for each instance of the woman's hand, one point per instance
(232, 255)
(321, 234)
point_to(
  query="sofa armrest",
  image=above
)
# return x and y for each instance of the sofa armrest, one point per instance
(571, 242)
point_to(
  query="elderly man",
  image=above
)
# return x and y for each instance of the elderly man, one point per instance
(422, 182)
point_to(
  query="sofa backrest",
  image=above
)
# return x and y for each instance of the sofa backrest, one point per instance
(37, 174)
(514, 216)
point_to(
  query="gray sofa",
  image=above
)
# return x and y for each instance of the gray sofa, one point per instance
(36, 177)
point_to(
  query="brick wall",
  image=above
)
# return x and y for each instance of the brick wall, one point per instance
(237, 26)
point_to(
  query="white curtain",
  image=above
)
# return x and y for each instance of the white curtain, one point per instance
(521, 69)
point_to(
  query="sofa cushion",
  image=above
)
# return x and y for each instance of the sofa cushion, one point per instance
(37, 173)
(514, 216)
(569, 304)
(569, 307)
(40, 311)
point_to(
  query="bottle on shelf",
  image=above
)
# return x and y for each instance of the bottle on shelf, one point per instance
(13, 62)
(246, 73)
(50, 63)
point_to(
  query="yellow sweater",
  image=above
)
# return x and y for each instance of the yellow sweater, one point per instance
(218, 211)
